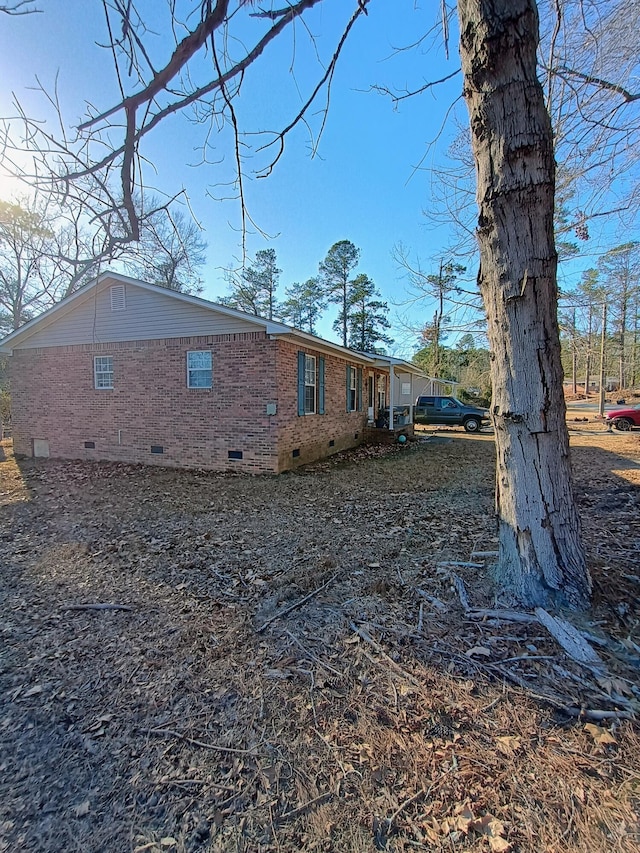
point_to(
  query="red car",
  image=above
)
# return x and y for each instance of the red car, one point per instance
(624, 418)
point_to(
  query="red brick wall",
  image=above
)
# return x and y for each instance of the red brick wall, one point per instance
(312, 434)
(54, 399)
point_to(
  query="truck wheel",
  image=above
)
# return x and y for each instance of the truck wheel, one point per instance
(472, 425)
(623, 424)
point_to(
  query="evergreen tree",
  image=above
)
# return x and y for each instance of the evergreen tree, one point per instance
(367, 316)
(620, 269)
(335, 276)
(303, 305)
(253, 289)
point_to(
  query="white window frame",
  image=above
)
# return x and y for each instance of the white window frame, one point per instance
(310, 370)
(353, 389)
(102, 372)
(192, 370)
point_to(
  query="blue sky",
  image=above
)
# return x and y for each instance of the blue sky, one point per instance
(362, 185)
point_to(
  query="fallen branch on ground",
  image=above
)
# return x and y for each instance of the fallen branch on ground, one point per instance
(295, 604)
(462, 592)
(570, 639)
(505, 615)
(364, 635)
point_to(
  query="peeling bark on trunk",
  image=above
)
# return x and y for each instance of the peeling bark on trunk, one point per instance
(541, 558)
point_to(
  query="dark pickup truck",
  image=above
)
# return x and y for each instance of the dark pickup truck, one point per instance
(448, 410)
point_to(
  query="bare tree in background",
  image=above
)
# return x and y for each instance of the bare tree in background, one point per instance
(170, 253)
(151, 93)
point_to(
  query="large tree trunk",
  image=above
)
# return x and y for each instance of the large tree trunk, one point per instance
(541, 558)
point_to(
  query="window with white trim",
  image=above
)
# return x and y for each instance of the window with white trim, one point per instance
(199, 369)
(311, 376)
(103, 371)
(352, 390)
(309, 384)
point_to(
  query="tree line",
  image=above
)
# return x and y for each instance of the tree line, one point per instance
(47, 252)
(600, 323)
(361, 322)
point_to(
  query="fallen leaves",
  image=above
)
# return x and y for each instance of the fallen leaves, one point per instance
(600, 735)
(464, 822)
(479, 651)
(82, 809)
(286, 739)
(509, 744)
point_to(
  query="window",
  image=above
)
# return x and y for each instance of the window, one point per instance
(199, 369)
(103, 371)
(354, 389)
(310, 384)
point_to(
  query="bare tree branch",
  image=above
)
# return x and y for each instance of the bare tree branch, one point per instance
(411, 93)
(564, 73)
(21, 7)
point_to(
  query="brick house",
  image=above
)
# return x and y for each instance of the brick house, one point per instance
(126, 371)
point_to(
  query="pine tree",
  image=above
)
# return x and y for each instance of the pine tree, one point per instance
(367, 316)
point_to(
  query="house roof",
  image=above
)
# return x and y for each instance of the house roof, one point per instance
(66, 305)
(270, 327)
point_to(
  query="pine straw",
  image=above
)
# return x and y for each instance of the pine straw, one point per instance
(360, 717)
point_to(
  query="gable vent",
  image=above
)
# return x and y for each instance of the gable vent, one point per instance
(118, 302)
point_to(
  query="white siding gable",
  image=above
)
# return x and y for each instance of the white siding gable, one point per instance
(132, 314)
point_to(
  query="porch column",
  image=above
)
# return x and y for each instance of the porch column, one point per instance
(411, 398)
(391, 395)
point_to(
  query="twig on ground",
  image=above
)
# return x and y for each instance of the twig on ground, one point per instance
(431, 599)
(313, 657)
(97, 607)
(395, 666)
(296, 604)
(483, 554)
(424, 792)
(214, 746)
(462, 592)
(420, 613)
(465, 565)
(186, 783)
(316, 801)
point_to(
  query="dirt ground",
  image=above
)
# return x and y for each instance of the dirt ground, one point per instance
(286, 663)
